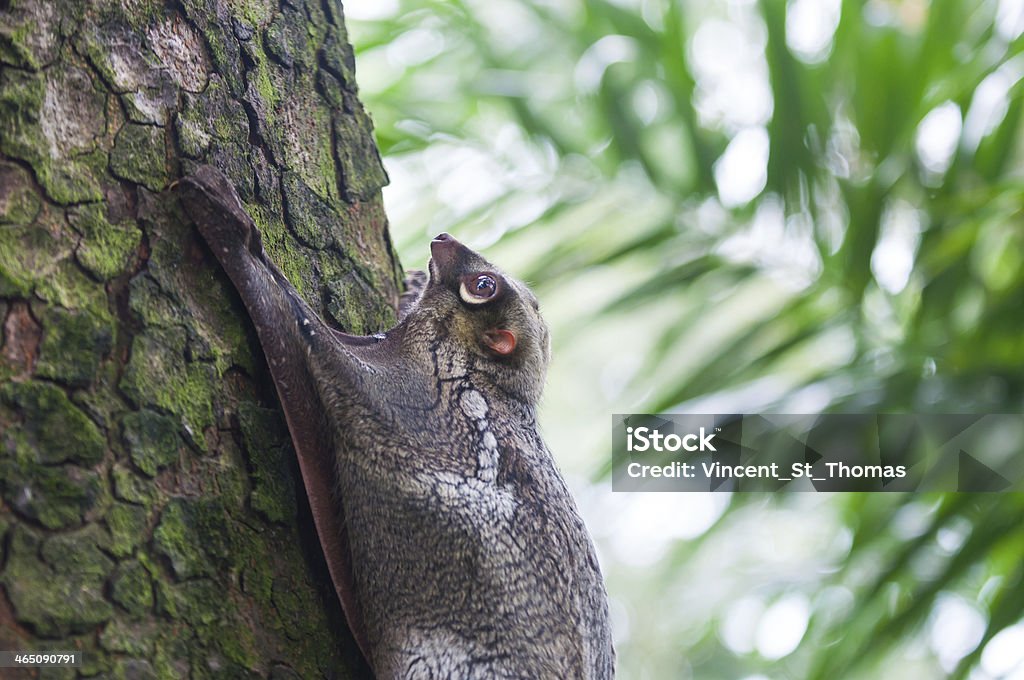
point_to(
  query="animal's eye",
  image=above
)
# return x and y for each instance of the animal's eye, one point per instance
(478, 289)
(484, 286)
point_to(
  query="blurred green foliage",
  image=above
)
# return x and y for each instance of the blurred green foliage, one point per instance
(742, 207)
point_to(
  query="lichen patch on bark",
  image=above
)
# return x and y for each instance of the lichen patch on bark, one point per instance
(72, 115)
(31, 34)
(180, 50)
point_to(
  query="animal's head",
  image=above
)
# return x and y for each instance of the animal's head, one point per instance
(489, 316)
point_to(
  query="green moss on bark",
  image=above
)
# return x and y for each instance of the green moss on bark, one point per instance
(56, 497)
(354, 305)
(160, 374)
(132, 589)
(126, 637)
(130, 488)
(211, 117)
(73, 345)
(134, 669)
(30, 34)
(74, 180)
(79, 553)
(139, 155)
(56, 601)
(37, 260)
(152, 439)
(21, 264)
(133, 524)
(106, 249)
(34, 127)
(19, 203)
(266, 442)
(359, 163)
(52, 430)
(127, 526)
(193, 536)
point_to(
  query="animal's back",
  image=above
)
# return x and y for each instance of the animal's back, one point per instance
(477, 549)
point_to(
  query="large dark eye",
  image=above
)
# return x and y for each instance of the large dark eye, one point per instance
(484, 286)
(478, 289)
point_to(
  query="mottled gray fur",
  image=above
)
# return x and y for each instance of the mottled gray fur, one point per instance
(466, 555)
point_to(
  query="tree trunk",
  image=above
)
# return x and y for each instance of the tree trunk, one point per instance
(152, 514)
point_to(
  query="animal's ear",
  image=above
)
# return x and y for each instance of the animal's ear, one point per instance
(500, 341)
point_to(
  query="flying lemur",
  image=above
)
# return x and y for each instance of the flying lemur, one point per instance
(453, 542)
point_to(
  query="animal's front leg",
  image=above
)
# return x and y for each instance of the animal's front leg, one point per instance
(293, 338)
(274, 305)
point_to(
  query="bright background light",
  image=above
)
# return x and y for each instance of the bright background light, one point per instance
(545, 133)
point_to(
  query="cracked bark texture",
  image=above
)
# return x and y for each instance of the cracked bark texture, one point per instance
(151, 513)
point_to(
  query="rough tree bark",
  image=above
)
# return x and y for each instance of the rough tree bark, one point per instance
(152, 515)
